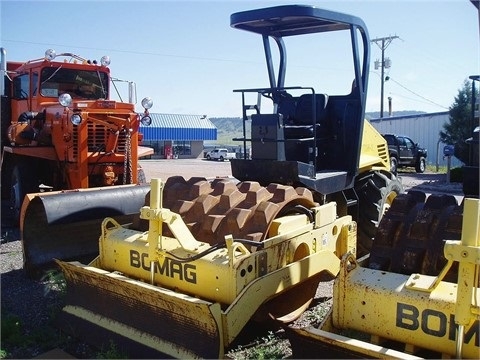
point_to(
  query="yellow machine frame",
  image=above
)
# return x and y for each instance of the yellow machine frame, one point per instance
(220, 291)
(415, 311)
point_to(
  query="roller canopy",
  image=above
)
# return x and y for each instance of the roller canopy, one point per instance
(292, 20)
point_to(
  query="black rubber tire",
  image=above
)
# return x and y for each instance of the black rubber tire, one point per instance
(421, 165)
(470, 184)
(376, 191)
(208, 157)
(141, 178)
(22, 182)
(6, 176)
(393, 165)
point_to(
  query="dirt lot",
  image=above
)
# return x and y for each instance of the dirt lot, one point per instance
(187, 168)
(35, 314)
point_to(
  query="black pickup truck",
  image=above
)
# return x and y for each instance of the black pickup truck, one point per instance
(405, 153)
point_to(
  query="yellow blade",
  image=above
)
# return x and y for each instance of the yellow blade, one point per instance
(158, 321)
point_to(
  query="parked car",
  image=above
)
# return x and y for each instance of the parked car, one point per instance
(220, 154)
(404, 152)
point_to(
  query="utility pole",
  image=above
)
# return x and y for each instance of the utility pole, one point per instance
(386, 63)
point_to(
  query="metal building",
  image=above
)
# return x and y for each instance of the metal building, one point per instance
(178, 136)
(421, 128)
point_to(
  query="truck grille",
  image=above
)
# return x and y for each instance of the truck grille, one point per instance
(97, 139)
(98, 135)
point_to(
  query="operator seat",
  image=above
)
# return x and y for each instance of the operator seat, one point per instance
(304, 109)
(299, 130)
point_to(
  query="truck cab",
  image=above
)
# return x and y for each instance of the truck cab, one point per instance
(61, 130)
(40, 82)
(220, 154)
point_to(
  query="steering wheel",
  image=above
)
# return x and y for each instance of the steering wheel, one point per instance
(85, 93)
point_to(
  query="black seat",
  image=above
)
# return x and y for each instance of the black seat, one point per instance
(301, 125)
(304, 109)
(301, 129)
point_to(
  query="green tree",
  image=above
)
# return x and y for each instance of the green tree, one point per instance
(458, 129)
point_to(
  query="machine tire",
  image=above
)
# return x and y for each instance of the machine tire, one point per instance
(6, 176)
(141, 178)
(208, 157)
(22, 182)
(393, 165)
(421, 165)
(410, 237)
(376, 191)
(221, 158)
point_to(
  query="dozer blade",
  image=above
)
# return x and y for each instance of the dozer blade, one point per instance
(67, 225)
(312, 340)
(148, 321)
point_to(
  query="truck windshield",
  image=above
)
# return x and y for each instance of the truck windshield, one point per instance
(83, 84)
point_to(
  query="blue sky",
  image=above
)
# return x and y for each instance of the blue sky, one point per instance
(185, 55)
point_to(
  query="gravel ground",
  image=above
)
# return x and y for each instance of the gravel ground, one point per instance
(31, 305)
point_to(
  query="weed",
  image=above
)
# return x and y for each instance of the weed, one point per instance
(54, 280)
(270, 346)
(55, 289)
(111, 352)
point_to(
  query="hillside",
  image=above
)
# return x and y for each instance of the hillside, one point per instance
(227, 129)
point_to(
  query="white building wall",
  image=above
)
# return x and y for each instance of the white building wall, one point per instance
(424, 129)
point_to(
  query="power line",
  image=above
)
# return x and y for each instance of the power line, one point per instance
(133, 52)
(414, 93)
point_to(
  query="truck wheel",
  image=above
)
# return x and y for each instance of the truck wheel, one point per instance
(141, 178)
(6, 176)
(393, 164)
(376, 191)
(221, 158)
(22, 183)
(421, 165)
(208, 157)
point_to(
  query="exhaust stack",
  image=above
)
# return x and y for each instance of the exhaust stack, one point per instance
(3, 70)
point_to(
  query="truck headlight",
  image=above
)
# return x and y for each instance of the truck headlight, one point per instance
(147, 103)
(146, 120)
(65, 99)
(76, 119)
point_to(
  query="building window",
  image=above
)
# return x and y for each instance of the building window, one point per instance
(182, 147)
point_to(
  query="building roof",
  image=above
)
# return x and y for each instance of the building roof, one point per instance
(179, 127)
(413, 116)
